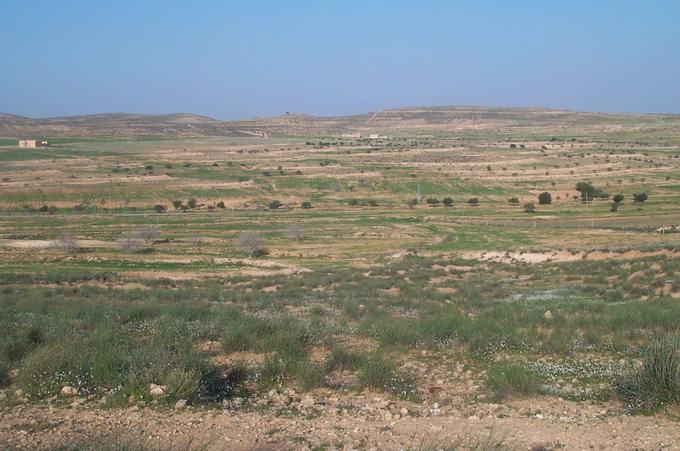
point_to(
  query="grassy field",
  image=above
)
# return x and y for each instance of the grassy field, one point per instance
(123, 265)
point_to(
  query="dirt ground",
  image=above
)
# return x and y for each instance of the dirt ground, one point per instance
(379, 424)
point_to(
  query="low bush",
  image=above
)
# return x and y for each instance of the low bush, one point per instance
(657, 382)
(512, 379)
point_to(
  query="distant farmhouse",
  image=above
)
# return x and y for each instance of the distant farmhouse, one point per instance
(32, 143)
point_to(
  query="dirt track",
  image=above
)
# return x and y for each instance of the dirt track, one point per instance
(547, 422)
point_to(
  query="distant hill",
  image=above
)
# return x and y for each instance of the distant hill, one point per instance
(422, 120)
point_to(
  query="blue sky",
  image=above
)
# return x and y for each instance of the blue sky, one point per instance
(239, 59)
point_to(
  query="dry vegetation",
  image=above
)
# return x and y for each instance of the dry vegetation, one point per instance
(309, 272)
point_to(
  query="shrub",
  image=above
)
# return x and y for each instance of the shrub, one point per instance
(275, 204)
(640, 198)
(353, 202)
(159, 208)
(192, 203)
(544, 198)
(473, 202)
(447, 201)
(512, 379)
(412, 203)
(177, 204)
(513, 201)
(618, 198)
(306, 205)
(220, 204)
(657, 382)
(432, 201)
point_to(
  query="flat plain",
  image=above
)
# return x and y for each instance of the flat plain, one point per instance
(388, 280)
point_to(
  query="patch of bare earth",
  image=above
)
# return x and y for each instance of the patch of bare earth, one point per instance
(367, 421)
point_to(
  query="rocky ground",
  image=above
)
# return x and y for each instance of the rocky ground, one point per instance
(288, 420)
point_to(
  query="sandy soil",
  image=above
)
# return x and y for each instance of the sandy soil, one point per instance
(561, 256)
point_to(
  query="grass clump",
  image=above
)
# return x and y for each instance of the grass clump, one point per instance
(657, 382)
(512, 379)
(380, 374)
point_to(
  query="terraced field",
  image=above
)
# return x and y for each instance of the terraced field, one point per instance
(309, 275)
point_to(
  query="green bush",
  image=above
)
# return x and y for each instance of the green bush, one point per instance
(544, 198)
(657, 382)
(4, 373)
(512, 379)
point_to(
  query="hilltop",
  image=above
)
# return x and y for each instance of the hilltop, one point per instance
(423, 120)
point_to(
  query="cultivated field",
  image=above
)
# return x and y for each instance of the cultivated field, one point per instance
(278, 285)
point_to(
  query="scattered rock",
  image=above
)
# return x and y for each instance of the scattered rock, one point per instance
(307, 402)
(181, 404)
(157, 390)
(548, 315)
(69, 391)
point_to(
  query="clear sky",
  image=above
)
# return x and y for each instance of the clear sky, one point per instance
(239, 59)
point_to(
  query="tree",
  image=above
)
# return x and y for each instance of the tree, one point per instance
(295, 232)
(447, 201)
(544, 198)
(159, 208)
(251, 243)
(275, 204)
(220, 204)
(130, 245)
(618, 198)
(192, 203)
(306, 205)
(177, 204)
(432, 201)
(529, 207)
(146, 235)
(66, 243)
(640, 198)
(412, 203)
(513, 201)
(473, 202)
(587, 190)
